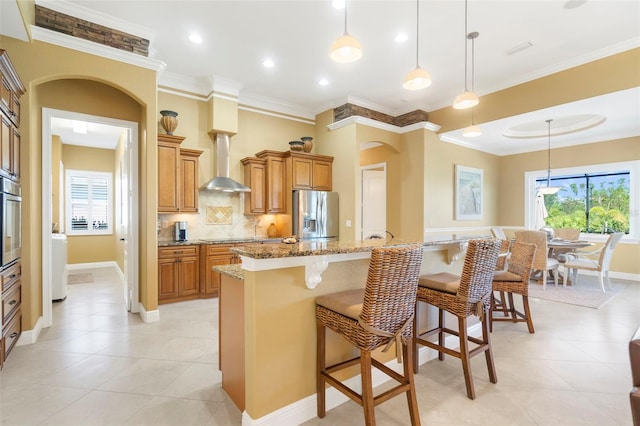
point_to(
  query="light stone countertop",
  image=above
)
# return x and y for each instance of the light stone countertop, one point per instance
(233, 270)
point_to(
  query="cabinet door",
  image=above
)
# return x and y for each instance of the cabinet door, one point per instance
(167, 278)
(322, 175)
(212, 285)
(302, 169)
(276, 178)
(189, 194)
(15, 153)
(168, 172)
(189, 274)
(6, 133)
(255, 175)
(5, 94)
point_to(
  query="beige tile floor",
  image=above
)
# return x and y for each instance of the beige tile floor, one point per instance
(99, 365)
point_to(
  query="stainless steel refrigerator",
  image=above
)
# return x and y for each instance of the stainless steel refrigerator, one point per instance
(315, 214)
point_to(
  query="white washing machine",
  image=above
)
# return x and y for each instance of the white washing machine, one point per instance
(58, 267)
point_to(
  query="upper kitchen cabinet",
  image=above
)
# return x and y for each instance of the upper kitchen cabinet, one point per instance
(11, 89)
(177, 176)
(265, 175)
(276, 180)
(309, 171)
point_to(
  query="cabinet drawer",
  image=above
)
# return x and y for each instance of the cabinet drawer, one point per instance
(11, 333)
(218, 249)
(178, 251)
(11, 301)
(10, 275)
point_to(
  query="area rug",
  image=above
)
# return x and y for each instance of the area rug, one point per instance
(586, 293)
(80, 278)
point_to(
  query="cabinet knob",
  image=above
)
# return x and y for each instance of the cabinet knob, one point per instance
(13, 335)
(13, 302)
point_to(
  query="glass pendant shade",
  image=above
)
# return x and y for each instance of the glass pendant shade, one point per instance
(472, 131)
(417, 79)
(345, 49)
(549, 190)
(466, 100)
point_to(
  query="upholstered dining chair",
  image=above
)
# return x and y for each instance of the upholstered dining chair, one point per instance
(463, 296)
(515, 280)
(586, 261)
(541, 262)
(381, 314)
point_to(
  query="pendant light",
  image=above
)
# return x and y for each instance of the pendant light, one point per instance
(346, 48)
(418, 78)
(472, 131)
(466, 99)
(549, 190)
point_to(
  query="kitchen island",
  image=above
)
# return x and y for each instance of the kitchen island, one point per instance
(268, 344)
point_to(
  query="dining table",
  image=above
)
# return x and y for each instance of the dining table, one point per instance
(559, 248)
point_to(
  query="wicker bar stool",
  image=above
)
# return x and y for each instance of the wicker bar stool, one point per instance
(462, 296)
(514, 280)
(378, 315)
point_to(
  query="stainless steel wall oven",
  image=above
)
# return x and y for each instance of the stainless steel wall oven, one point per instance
(11, 216)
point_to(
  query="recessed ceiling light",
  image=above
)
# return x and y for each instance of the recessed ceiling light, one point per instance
(195, 38)
(323, 82)
(268, 63)
(338, 4)
(572, 4)
(401, 38)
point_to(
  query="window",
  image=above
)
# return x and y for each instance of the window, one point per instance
(88, 205)
(598, 199)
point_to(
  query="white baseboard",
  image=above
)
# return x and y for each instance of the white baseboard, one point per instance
(306, 409)
(93, 265)
(29, 337)
(148, 316)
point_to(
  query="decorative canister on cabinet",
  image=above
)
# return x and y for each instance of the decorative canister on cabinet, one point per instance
(169, 121)
(308, 145)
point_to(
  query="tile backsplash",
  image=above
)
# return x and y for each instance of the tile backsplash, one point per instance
(220, 216)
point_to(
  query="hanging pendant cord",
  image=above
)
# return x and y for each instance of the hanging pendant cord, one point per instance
(549, 153)
(465, 45)
(473, 61)
(345, 16)
(417, 31)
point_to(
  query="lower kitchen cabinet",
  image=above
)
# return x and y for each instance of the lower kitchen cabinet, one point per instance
(11, 285)
(178, 273)
(213, 255)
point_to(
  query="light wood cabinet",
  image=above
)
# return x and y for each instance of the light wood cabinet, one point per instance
(255, 177)
(266, 175)
(213, 255)
(11, 287)
(310, 171)
(177, 176)
(11, 89)
(178, 273)
(189, 173)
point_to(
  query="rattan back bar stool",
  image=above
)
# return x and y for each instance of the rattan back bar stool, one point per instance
(463, 296)
(514, 280)
(381, 314)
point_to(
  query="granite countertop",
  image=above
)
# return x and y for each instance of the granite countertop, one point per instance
(171, 243)
(234, 271)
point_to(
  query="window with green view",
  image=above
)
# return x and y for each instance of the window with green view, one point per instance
(596, 203)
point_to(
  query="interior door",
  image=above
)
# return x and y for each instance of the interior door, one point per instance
(374, 203)
(128, 228)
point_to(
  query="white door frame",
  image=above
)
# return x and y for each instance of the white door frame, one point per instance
(382, 166)
(47, 115)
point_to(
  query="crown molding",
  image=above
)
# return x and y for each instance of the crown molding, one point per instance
(355, 119)
(92, 48)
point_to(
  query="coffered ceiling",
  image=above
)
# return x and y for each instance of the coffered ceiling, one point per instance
(237, 36)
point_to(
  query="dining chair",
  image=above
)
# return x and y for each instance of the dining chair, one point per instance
(499, 234)
(569, 234)
(541, 262)
(584, 260)
(515, 280)
(381, 314)
(462, 296)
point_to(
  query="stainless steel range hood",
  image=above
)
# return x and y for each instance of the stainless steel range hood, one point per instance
(222, 181)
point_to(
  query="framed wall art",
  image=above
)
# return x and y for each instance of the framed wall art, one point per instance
(468, 193)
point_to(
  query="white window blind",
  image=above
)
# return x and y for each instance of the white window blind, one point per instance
(89, 199)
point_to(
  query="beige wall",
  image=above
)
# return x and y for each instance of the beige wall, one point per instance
(91, 248)
(61, 78)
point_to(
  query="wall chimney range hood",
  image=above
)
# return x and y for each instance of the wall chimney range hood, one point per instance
(222, 181)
